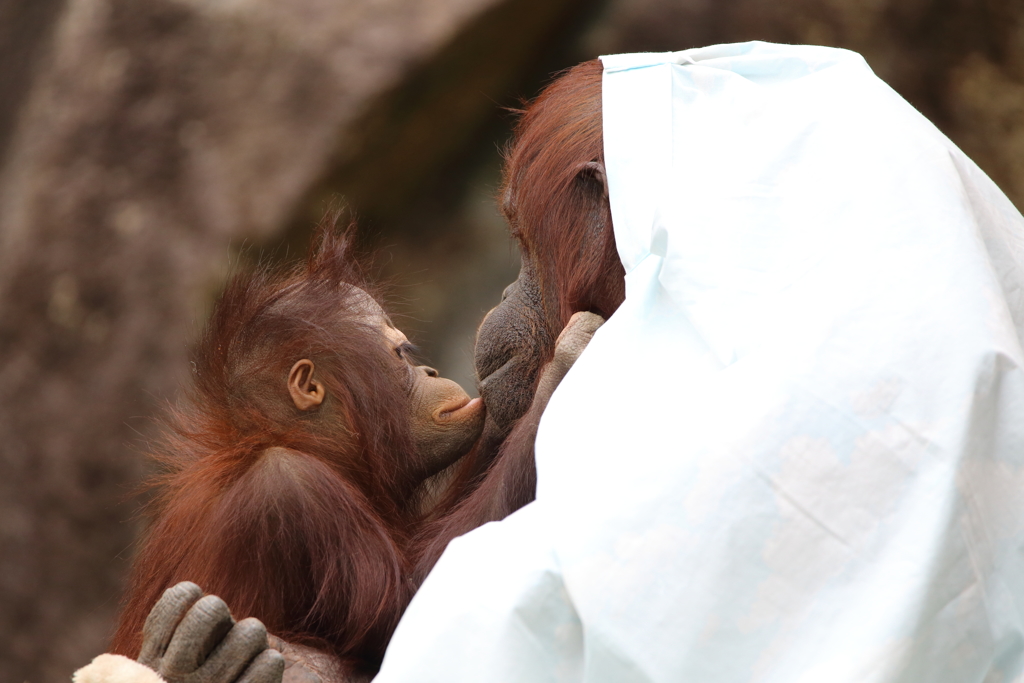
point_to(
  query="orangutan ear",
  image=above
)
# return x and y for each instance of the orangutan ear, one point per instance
(306, 391)
(594, 170)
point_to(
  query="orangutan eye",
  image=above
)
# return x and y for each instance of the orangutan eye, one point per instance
(406, 351)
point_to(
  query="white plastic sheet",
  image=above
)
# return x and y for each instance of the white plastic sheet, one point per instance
(796, 452)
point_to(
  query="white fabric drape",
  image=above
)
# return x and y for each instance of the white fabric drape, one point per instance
(796, 452)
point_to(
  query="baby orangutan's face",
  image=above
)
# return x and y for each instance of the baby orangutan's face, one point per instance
(445, 421)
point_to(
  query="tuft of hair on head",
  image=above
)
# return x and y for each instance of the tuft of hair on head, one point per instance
(333, 255)
(266, 319)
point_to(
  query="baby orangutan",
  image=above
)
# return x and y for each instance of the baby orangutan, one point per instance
(295, 481)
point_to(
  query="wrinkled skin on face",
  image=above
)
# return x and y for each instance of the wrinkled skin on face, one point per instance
(513, 342)
(555, 198)
(517, 338)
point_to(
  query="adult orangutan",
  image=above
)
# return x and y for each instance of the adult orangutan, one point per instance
(555, 200)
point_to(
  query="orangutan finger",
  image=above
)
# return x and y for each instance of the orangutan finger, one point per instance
(164, 618)
(268, 667)
(575, 337)
(243, 644)
(582, 325)
(200, 631)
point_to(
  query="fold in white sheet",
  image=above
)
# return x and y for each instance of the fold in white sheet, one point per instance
(796, 452)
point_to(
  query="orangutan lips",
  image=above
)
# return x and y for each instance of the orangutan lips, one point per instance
(460, 409)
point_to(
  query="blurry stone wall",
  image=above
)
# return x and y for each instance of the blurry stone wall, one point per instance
(148, 145)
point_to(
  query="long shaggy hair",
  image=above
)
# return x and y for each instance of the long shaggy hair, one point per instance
(552, 204)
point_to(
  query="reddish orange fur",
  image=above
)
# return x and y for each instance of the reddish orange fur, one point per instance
(551, 215)
(312, 543)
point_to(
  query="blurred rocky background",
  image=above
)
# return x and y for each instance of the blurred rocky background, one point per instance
(148, 146)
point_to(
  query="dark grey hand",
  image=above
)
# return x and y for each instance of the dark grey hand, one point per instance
(189, 638)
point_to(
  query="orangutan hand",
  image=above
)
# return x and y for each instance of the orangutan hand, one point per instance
(568, 347)
(189, 638)
(574, 338)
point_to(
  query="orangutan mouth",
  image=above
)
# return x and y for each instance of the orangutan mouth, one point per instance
(460, 409)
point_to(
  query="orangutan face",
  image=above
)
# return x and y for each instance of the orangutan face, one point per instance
(444, 421)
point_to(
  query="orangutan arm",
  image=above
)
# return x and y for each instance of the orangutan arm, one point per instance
(307, 665)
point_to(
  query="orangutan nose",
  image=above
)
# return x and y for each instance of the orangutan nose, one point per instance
(431, 372)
